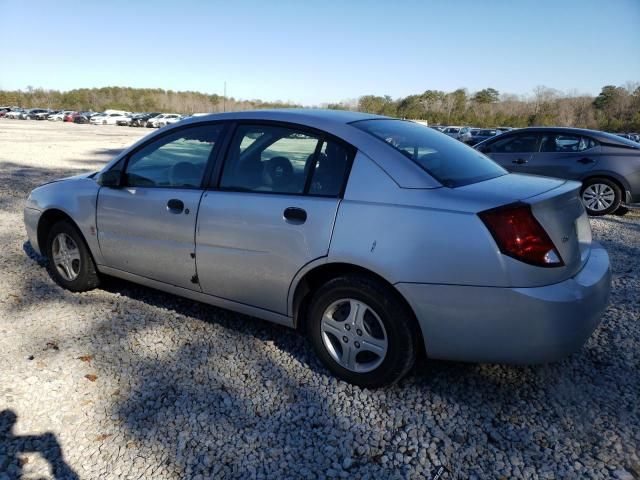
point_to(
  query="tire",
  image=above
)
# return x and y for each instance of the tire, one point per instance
(78, 259)
(379, 305)
(600, 196)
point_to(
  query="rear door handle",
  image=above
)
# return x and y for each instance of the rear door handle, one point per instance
(175, 206)
(586, 160)
(519, 161)
(295, 215)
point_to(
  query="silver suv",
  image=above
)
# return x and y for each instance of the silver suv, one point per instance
(376, 237)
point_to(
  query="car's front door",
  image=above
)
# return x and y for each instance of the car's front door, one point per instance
(513, 151)
(564, 156)
(147, 225)
(272, 212)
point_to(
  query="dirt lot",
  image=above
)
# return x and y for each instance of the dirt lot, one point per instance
(126, 382)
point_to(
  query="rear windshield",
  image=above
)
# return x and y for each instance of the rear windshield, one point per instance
(449, 161)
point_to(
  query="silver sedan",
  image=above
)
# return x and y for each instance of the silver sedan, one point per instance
(377, 237)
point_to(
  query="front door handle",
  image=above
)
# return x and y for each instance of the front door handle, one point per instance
(175, 206)
(586, 160)
(295, 215)
(519, 161)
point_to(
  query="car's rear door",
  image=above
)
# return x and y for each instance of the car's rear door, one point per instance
(564, 155)
(271, 211)
(147, 226)
(513, 151)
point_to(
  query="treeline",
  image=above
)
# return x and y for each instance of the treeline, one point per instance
(130, 99)
(616, 108)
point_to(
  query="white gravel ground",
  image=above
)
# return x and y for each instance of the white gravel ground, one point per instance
(127, 382)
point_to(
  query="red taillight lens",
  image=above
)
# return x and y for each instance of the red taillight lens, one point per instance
(519, 235)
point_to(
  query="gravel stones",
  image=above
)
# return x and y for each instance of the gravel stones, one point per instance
(183, 390)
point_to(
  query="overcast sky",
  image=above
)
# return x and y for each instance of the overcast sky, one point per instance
(320, 51)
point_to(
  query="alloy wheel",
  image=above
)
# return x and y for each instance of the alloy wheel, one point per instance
(598, 197)
(66, 257)
(354, 335)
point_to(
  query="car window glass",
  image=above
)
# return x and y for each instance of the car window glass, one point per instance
(176, 160)
(565, 143)
(268, 159)
(447, 160)
(329, 170)
(522, 143)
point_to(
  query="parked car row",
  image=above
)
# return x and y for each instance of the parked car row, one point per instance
(630, 136)
(108, 117)
(470, 135)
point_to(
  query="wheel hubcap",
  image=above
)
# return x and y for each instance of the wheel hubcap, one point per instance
(66, 256)
(598, 197)
(354, 335)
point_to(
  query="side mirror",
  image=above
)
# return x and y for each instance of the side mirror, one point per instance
(110, 178)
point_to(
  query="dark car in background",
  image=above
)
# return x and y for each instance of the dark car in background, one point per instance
(481, 134)
(82, 117)
(607, 165)
(140, 120)
(35, 114)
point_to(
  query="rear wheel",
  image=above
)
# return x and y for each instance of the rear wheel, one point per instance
(600, 196)
(70, 263)
(362, 331)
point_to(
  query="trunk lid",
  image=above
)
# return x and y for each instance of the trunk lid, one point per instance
(556, 204)
(562, 215)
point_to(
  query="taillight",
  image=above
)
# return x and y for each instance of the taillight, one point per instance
(520, 236)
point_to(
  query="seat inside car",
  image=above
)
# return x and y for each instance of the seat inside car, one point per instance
(185, 174)
(277, 175)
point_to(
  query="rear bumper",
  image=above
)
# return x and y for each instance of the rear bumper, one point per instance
(512, 325)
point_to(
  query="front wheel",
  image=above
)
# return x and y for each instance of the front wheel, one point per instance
(362, 331)
(70, 262)
(600, 196)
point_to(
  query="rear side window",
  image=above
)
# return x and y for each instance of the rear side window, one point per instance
(521, 143)
(330, 169)
(449, 161)
(278, 159)
(565, 143)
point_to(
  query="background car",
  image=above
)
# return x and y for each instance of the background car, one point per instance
(42, 115)
(83, 117)
(15, 113)
(169, 119)
(107, 118)
(378, 238)
(141, 119)
(459, 133)
(125, 120)
(34, 114)
(59, 116)
(607, 165)
(481, 134)
(150, 121)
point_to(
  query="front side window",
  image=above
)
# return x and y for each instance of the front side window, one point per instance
(521, 143)
(176, 160)
(565, 143)
(449, 161)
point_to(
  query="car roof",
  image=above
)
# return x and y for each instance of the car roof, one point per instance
(405, 173)
(308, 116)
